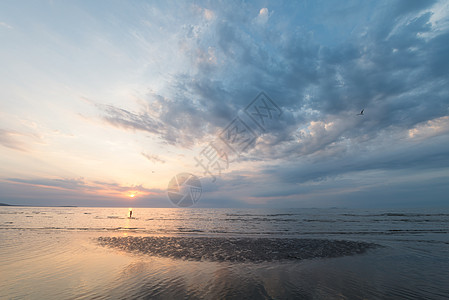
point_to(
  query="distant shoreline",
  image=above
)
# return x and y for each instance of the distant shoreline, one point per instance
(25, 205)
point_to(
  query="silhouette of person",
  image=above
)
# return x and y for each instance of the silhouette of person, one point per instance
(130, 213)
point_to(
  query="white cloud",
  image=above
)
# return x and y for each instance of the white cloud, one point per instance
(263, 16)
(430, 128)
(208, 14)
(3, 24)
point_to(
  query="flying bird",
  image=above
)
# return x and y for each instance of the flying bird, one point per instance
(361, 113)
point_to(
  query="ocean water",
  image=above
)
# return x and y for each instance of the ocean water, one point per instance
(54, 253)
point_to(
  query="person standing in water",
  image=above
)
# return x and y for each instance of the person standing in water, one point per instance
(130, 213)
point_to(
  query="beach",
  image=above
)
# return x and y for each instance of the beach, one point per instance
(64, 253)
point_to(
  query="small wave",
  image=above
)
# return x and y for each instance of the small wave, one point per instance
(259, 215)
(72, 228)
(110, 217)
(127, 228)
(396, 215)
(183, 229)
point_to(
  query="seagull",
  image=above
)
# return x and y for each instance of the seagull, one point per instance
(361, 113)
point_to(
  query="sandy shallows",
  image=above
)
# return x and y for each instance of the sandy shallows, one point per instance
(236, 249)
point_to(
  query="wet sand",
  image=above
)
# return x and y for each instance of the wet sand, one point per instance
(236, 249)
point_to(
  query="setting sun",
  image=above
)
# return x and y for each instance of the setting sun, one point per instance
(132, 194)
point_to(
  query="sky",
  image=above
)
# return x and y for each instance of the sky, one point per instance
(102, 103)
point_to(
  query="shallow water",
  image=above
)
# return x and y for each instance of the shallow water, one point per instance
(53, 253)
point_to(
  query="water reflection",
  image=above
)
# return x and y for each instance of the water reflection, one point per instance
(59, 258)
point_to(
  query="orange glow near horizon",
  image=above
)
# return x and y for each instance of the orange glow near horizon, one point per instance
(132, 194)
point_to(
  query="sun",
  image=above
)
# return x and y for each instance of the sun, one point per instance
(132, 194)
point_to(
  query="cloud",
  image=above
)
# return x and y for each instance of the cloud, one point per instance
(430, 128)
(321, 63)
(7, 139)
(263, 16)
(407, 156)
(14, 140)
(82, 187)
(208, 14)
(125, 119)
(153, 158)
(7, 26)
(177, 120)
(388, 68)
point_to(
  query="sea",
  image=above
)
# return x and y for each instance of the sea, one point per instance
(54, 253)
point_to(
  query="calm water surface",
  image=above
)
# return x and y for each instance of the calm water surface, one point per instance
(52, 253)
